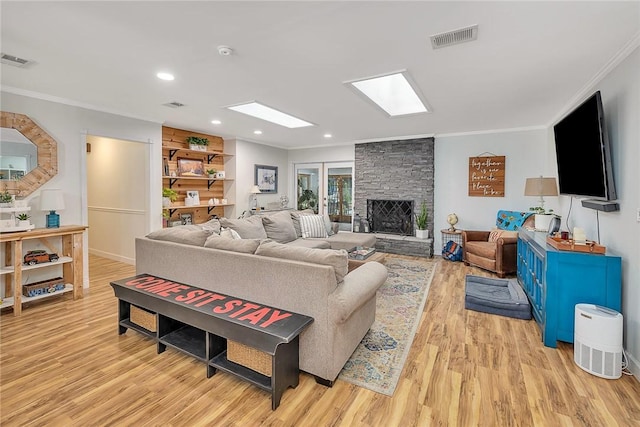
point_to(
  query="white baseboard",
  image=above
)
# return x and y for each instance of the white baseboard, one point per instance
(114, 257)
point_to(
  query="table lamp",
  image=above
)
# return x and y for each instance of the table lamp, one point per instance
(541, 187)
(52, 201)
(255, 190)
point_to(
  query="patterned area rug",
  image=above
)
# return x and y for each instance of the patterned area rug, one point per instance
(379, 358)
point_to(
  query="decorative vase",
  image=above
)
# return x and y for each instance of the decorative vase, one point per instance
(24, 223)
(422, 234)
(166, 202)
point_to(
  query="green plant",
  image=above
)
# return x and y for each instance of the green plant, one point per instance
(211, 171)
(196, 140)
(23, 217)
(6, 197)
(307, 200)
(170, 194)
(421, 218)
(539, 210)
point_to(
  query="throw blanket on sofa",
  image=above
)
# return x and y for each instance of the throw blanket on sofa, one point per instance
(511, 220)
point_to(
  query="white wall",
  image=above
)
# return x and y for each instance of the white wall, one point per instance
(619, 231)
(249, 154)
(69, 126)
(117, 196)
(526, 157)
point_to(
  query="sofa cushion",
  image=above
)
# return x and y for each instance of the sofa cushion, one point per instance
(312, 226)
(247, 228)
(279, 227)
(229, 233)
(481, 249)
(247, 246)
(295, 217)
(338, 259)
(496, 234)
(185, 234)
(311, 243)
(347, 240)
(213, 225)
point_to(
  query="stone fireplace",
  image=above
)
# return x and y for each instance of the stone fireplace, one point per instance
(395, 171)
(390, 216)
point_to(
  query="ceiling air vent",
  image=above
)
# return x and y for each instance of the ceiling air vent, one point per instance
(450, 38)
(174, 104)
(14, 60)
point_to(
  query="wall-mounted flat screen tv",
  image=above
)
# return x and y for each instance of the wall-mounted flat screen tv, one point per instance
(583, 152)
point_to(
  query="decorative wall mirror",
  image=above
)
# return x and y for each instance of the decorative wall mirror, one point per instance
(23, 169)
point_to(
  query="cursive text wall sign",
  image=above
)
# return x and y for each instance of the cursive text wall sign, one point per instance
(486, 176)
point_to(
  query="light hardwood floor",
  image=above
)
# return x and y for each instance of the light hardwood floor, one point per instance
(63, 364)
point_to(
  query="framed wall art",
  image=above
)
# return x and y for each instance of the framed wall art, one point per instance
(190, 167)
(266, 178)
(186, 218)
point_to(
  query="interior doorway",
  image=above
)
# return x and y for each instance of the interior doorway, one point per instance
(117, 196)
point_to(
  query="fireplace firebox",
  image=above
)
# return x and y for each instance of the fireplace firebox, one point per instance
(390, 216)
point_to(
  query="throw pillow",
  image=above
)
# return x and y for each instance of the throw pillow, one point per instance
(249, 228)
(328, 225)
(185, 234)
(496, 234)
(229, 233)
(295, 217)
(338, 259)
(279, 227)
(312, 226)
(213, 226)
(247, 246)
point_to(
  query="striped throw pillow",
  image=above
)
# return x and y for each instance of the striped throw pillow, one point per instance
(312, 226)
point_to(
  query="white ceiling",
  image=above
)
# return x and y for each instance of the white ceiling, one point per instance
(530, 61)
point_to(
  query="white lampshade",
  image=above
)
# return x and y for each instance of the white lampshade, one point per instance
(540, 187)
(51, 200)
(255, 190)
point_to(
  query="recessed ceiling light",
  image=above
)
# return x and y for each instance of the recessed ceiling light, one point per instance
(269, 114)
(165, 76)
(257, 132)
(216, 122)
(327, 135)
(395, 93)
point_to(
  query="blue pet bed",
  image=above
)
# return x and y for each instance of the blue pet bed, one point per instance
(504, 297)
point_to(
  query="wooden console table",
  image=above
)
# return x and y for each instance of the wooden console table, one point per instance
(70, 258)
(199, 322)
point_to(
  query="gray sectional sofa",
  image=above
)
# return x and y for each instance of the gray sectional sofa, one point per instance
(279, 268)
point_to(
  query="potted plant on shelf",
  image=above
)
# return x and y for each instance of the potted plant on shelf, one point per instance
(212, 173)
(197, 143)
(421, 222)
(168, 196)
(6, 200)
(23, 220)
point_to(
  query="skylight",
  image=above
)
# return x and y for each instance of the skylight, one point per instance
(394, 93)
(269, 114)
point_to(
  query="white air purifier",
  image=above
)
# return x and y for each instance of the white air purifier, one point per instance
(597, 343)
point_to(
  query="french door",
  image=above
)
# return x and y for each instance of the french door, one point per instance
(327, 188)
(338, 195)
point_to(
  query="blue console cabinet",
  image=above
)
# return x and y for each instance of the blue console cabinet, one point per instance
(555, 281)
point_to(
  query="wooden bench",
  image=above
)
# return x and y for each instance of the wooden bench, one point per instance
(199, 322)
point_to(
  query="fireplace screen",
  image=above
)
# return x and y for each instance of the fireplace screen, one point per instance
(390, 216)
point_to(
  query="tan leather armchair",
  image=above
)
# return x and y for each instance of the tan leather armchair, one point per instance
(495, 250)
